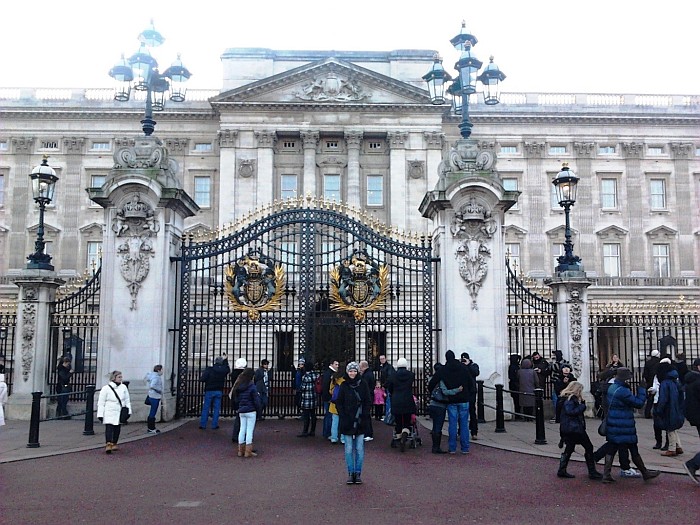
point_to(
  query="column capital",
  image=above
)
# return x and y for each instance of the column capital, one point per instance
(584, 149)
(434, 139)
(682, 150)
(227, 138)
(632, 149)
(310, 139)
(266, 138)
(74, 145)
(535, 149)
(23, 144)
(177, 145)
(397, 139)
(353, 139)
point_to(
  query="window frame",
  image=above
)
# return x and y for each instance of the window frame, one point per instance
(656, 258)
(652, 194)
(283, 191)
(196, 191)
(332, 176)
(379, 203)
(614, 257)
(614, 194)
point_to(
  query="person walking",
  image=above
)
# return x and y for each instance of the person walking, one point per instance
(154, 380)
(621, 429)
(308, 402)
(385, 371)
(214, 379)
(564, 379)
(556, 371)
(669, 408)
(3, 395)
(248, 400)
(65, 373)
(650, 366)
(573, 430)
(113, 397)
(354, 406)
(400, 387)
(528, 380)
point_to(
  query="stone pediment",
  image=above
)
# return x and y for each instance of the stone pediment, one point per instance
(92, 228)
(515, 231)
(612, 232)
(559, 231)
(662, 232)
(329, 81)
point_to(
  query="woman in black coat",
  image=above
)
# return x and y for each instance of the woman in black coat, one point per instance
(354, 407)
(573, 430)
(400, 387)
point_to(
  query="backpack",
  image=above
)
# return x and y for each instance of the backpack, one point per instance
(318, 386)
(334, 395)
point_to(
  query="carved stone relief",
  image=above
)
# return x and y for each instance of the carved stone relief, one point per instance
(73, 144)
(331, 87)
(28, 333)
(576, 332)
(227, 138)
(247, 168)
(474, 226)
(416, 169)
(135, 225)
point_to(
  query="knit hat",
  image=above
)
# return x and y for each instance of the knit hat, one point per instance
(402, 363)
(696, 362)
(240, 363)
(353, 365)
(655, 353)
(464, 356)
(219, 360)
(623, 374)
(449, 355)
(302, 360)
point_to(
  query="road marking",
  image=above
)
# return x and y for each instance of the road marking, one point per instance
(188, 503)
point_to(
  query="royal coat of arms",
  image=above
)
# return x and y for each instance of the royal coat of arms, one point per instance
(359, 285)
(254, 284)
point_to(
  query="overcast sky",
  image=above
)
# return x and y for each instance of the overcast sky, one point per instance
(596, 46)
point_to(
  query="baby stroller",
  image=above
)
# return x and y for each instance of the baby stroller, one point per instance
(408, 438)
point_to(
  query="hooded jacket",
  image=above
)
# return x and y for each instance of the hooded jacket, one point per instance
(621, 405)
(692, 398)
(528, 380)
(454, 374)
(214, 377)
(400, 386)
(669, 408)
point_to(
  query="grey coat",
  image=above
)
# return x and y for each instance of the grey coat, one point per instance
(528, 381)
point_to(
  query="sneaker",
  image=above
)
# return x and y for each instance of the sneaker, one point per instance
(630, 473)
(553, 420)
(692, 472)
(369, 438)
(153, 431)
(358, 479)
(350, 480)
(465, 452)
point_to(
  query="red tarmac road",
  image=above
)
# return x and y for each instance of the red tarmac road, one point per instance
(194, 477)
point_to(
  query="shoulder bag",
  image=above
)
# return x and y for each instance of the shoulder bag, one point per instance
(124, 413)
(603, 427)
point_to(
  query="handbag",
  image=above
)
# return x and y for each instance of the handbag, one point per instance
(124, 413)
(147, 401)
(438, 395)
(603, 427)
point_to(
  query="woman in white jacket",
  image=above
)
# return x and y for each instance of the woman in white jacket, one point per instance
(3, 398)
(113, 397)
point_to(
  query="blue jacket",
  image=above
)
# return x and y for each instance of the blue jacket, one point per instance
(668, 411)
(572, 420)
(621, 405)
(248, 398)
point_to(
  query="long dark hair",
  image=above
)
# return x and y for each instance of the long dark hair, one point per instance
(244, 378)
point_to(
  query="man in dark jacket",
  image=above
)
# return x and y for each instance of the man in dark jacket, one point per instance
(454, 374)
(648, 374)
(385, 371)
(367, 376)
(326, 397)
(263, 378)
(474, 372)
(214, 378)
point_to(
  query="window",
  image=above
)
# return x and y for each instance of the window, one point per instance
(557, 150)
(606, 150)
(288, 186)
(611, 259)
(375, 190)
(3, 145)
(662, 260)
(96, 181)
(331, 144)
(48, 247)
(49, 144)
(331, 187)
(557, 251)
(553, 198)
(608, 194)
(513, 255)
(655, 150)
(100, 146)
(328, 255)
(509, 150)
(288, 255)
(202, 146)
(375, 146)
(511, 184)
(657, 191)
(94, 255)
(202, 191)
(289, 144)
(2, 189)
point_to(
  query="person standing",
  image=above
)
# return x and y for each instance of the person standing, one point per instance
(354, 406)
(262, 383)
(513, 383)
(621, 428)
(113, 397)
(65, 373)
(573, 430)
(367, 376)
(385, 371)
(379, 397)
(248, 402)
(528, 380)
(650, 366)
(692, 395)
(298, 374)
(399, 387)
(154, 380)
(556, 370)
(454, 374)
(437, 410)
(214, 379)
(334, 388)
(326, 397)
(669, 408)
(3, 395)
(238, 366)
(615, 362)
(308, 402)
(474, 372)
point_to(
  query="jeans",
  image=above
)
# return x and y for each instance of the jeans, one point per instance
(327, 419)
(555, 398)
(388, 417)
(62, 401)
(211, 397)
(354, 453)
(458, 414)
(245, 435)
(155, 403)
(335, 420)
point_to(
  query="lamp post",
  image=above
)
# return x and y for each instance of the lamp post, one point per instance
(43, 179)
(565, 183)
(465, 84)
(141, 73)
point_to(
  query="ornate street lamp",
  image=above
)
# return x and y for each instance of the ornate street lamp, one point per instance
(140, 72)
(43, 179)
(436, 79)
(466, 82)
(565, 183)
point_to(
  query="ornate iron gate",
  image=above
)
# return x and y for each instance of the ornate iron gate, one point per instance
(8, 324)
(301, 278)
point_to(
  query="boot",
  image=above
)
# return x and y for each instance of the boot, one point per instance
(437, 440)
(563, 463)
(646, 473)
(657, 437)
(241, 450)
(249, 451)
(679, 451)
(607, 478)
(592, 472)
(305, 432)
(108, 448)
(665, 447)
(312, 432)
(114, 447)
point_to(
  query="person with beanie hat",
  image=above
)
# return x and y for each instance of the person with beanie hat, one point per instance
(354, 406)
(621, 429)
(668, 410)
(238, 366)
(454, 374)
(650, 366)
(400, 387)
(214, 379)
(661, 371)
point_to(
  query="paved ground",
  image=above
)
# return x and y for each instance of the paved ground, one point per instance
(185, 475)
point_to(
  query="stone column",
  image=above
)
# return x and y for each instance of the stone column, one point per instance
(310, 141)
(266, 166)
(570, 292)
(21, 198)
(397, 169)
(145, 208)
(467, 208)
(37, 290)
(71, 187)
(354, 140)
(227, 175)
(636, 181)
